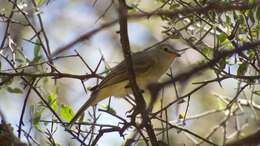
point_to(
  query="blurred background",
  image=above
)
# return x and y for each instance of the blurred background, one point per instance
(66, 20)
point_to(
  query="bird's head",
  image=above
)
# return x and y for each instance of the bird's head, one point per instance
(168, 50)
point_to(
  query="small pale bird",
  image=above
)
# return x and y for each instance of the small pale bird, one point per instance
(149, 66)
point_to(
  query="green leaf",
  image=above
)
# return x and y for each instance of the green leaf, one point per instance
(89, 88)
(36, 121)
(66, 112)
(14, 90)
(36, 116)
(222, 37)
(131, 9)
(257, 92)
(108, 108)
(57, 144)
(52, 101)
(181, 116)
(37, 50)
(37, 53)
(242, 69)
(253, 33)
(107, 69)
(251, 54)
(39, 2)
(206, 51)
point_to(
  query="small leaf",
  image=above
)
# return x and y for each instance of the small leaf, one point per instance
(108, 108)
(14, 90)
(222, 37)
(56, 144)
(36, 116)
(206, 51)
(37, 50)
(253, 33)
(37, 53)
(251, 54)
(66, 112)
(242, 69)
(257, 92)
(39, 2)
(107, 69)
(89, 88)
(131, 9)
(36, 121)
(52, 101)
(181, 116)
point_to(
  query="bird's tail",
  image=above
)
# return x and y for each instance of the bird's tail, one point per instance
(87, 104)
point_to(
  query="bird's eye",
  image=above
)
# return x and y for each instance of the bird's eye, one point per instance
(165, 49)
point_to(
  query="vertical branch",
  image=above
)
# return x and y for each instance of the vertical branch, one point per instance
(24, 106)
(140, 103)
(8, 23)
(46, 49)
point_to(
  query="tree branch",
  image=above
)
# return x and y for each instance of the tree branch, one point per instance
(131, 74)
(218, 7)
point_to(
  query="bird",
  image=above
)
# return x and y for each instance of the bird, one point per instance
(149, 65)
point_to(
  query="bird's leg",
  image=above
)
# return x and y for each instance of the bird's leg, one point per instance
(130, 100)
(134, 107)
(138, 109)
(135, 110)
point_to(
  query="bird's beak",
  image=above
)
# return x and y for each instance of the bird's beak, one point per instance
(178, 54)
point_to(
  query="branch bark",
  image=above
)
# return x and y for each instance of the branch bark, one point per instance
(140, 102)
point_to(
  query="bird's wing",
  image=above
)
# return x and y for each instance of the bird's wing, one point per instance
(119, 72)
